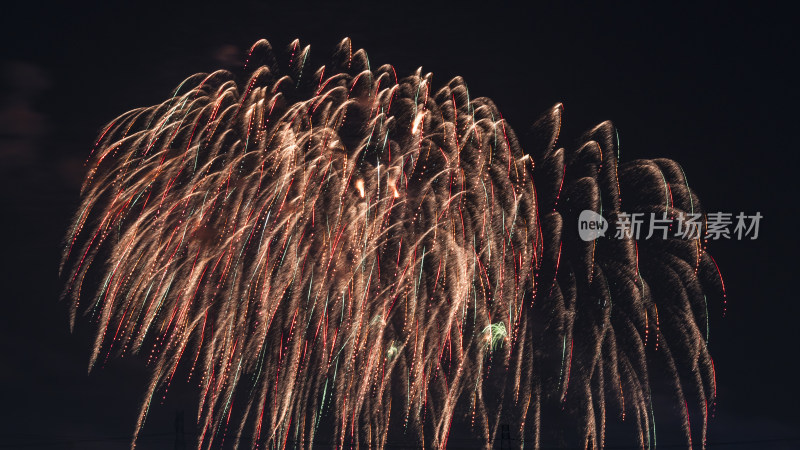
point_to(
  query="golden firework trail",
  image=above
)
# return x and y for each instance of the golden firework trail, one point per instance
(350, 251)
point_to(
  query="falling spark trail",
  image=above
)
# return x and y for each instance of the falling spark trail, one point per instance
(318, 242)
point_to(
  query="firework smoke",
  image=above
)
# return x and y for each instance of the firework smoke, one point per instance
(348, 248)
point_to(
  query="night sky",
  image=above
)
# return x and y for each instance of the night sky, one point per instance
(712, 88)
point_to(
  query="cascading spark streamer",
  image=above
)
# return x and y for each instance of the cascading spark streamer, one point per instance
(368, 253)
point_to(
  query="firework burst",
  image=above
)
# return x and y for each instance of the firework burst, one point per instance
(350, 248)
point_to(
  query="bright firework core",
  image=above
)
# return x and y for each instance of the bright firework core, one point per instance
(355, 250)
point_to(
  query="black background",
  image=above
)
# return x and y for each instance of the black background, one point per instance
(712, 87)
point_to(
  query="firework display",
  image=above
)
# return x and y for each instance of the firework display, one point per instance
(351, 254)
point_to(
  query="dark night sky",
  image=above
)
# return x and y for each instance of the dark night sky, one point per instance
(712, 88)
